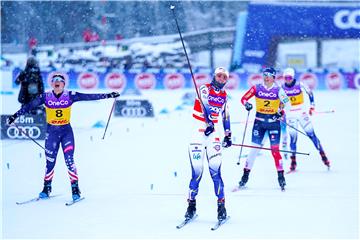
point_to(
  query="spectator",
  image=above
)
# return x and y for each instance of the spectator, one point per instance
(87, 35)
(32, 45)
(31, 83)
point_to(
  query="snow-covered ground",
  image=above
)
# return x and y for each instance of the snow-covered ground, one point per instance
(135, 181)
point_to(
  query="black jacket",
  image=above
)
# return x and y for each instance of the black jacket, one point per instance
(31, 84)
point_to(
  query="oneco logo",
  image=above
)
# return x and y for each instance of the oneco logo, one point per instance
(345, 19)
(59, 103)
(267, 94)
(292, 91)
(216, 99)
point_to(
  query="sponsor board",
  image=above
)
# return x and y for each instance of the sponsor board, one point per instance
(334, 81)
(309, 79)
(115, 81)
(32, 125)
(201, 79)
(174, 81)
(357, 81)
(133, 108)
(88, 80)
(233, 81)
(254, 78)
(145, 81)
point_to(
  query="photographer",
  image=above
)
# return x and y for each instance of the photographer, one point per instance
(31, 84)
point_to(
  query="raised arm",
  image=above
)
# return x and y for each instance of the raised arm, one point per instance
(76, 96)
(28, 107)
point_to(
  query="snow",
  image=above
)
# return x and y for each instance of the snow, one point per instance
(135, 182)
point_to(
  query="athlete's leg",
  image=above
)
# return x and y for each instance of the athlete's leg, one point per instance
(196, 156)
(68, 146)
(214, 157)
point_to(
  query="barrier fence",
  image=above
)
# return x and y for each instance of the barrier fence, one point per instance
(180, 79)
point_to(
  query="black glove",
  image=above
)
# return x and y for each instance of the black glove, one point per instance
(113, 95)
(227, 141)
(248, 106)
(11, 119)
(278, 116)
(209, 129)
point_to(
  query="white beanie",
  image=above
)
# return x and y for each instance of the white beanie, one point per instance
(289, 72)
(222, 70)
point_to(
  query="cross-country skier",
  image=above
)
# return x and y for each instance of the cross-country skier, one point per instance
(299, 114)
(58, 111)
(268, 98)
(206, 139)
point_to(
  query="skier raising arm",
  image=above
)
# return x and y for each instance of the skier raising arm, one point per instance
(59, 131)
(206, 140)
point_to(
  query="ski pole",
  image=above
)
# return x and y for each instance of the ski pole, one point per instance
(262, 148)
(107, 124)
(247, 119)
(32, 139)
(172, 7)
(325, 111)
(294, 128)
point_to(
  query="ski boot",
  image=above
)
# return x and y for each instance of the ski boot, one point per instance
(244, 178)
(221, 210)
(75, 190)
(191, 210)
(293, 163)
(281, 180)
(325, 160)
(45, 193)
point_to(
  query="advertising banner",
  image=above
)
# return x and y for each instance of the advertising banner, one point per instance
(132, 108)
(32, 125)
(181, 79)
(292, 20)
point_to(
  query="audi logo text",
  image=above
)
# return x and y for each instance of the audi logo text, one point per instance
(133, 112)
(31, 131)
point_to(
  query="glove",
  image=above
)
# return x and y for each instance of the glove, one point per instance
(311, 110)
(113, 95)
(227, 141)
(248, 106)
(209, 129)
(11, 119)
(278, 116)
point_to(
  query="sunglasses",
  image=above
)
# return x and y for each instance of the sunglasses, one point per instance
(268, 74)
(58, 78)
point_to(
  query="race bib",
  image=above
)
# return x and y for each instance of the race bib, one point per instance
(58, 116)
(267, 106)
(297, 99)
